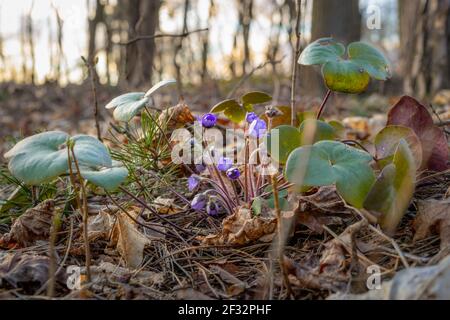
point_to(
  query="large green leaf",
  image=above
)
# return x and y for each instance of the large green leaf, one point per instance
(89, 151)
(223, 105)
(312, 131)
(39, 158)
(331, 162)
(281, 141)
(351, 75)
(345, 76)
(321, 51)
(391, 194)
(372, 60)
(43, 157)
(255, 97)
(387, 140)
(107, 178)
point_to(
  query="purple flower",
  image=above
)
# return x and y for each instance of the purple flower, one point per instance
(212, 208)
(193, 182)
(200, 168)
(209, 120)
(251, 116)
(257, 128)
(233, 173)
(199, 202)
(224, 163)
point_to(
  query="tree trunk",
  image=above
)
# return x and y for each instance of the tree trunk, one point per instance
(425, 46)
(330, 18)
(143, 20)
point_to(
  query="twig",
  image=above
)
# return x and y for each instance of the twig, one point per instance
(295, 54)
(84, 210)
(284, 271)
(160, 35)
(90, 65)
(248, 75)
(56, 223)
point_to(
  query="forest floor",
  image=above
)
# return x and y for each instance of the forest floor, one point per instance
(154, 246)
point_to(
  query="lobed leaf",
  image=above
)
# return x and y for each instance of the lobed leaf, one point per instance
(330, 162)
(255, 97)
(281, 141)
(392, 192)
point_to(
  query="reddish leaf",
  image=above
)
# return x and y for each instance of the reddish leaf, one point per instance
(410, 113)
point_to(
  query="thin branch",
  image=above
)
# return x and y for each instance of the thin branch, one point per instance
(295, 55)
(90, 65)
(160, 35)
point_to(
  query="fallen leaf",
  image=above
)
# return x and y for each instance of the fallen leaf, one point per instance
(433, 216)
(166, 206)
(410, 113)
(129, 241)
(100, 225)
(25, 271)
(31, 226)
(176, 117)
(241, 228)
(419, 283)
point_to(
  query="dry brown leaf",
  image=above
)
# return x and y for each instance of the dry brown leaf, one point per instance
(31, 226)
(315, 222)
(241, 228)
(100, 225)
(191, 294)
(176, 117)
(129, 241)
(25, 271)
(433, 216)
(166, 206)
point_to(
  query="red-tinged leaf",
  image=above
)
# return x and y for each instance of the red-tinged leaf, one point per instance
(410, 113)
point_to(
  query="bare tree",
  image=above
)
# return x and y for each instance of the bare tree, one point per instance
(178, 48)
(425, 45)
(93, 23)
(143, 20)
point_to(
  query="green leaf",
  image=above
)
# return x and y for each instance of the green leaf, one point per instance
(387, 140)
(39, 158)
(125, 98)
(331, 162)
(89, 151)
(392, 192)
(255, 97)
(345, 76)
(351, 75)
(257, 206)
(43, 157)
(321, 51)
(312, 131)
(127, 111)
(371, 59)
(284, 204)
(223, 105)
(281, 141)
(107, 178)
(339, 128)
(158, 86)
(235, 114)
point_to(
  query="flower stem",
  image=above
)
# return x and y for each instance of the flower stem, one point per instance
(324, 102)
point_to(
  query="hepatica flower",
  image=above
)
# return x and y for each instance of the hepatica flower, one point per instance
(233, 173)
(224, 164)
(199, 202)
(257, 128)
(251, 116)
(209, 120)
(200, 168)
(193, 182)
(212, 207)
